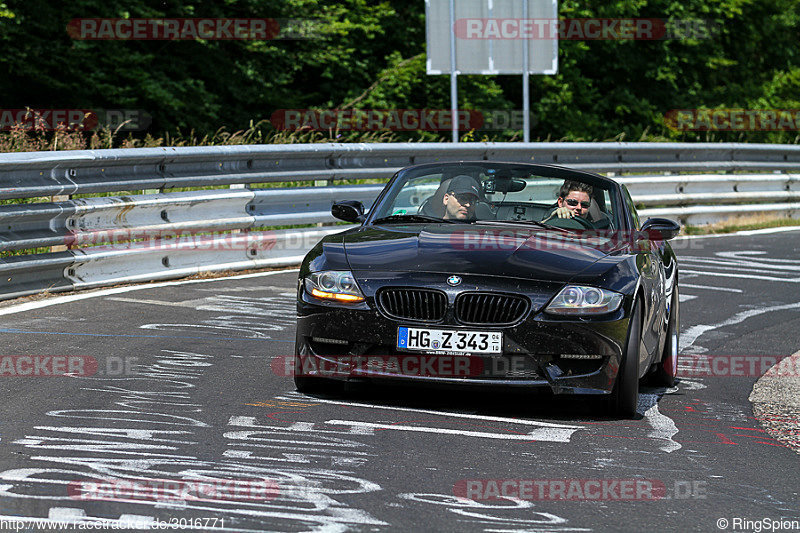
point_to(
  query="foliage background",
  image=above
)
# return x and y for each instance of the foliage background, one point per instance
(371, 54)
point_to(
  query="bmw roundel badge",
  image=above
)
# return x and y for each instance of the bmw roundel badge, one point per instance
(454, 280)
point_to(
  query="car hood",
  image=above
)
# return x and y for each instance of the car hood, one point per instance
(498, 250)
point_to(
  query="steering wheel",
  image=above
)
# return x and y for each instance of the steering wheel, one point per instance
(571, 223)
(423, 206)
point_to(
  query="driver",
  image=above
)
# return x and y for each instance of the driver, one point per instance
(574, 198)
(460, 199)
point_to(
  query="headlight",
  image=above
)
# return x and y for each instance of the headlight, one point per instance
(334, 285)
(582, 300)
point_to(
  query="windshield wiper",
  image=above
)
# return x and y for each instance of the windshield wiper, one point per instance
(410, 218)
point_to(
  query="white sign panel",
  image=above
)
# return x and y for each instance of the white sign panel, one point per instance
(490, 36)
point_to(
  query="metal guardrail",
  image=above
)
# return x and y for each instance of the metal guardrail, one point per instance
(82, 223)
(27, 175)
(708, 198)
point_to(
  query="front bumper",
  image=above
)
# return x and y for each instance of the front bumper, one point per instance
(356, 343)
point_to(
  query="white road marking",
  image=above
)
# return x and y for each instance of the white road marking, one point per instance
(746, 263)
(743, 264)
(493, 512)
(745, 233)
(309, 426)
(686, 297)
(714, 268)
(664, 427)
(547, 518)
(541, 434)
(742, 276)
(536, 530)
(709, 287)
(187, 303)
(368, 428)
(692, 385)
(306, 492)
(760, 253)
(29, 306)
(690, 336)
(209, 303)
(439, 413)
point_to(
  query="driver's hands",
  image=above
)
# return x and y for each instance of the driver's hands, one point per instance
(564, 212)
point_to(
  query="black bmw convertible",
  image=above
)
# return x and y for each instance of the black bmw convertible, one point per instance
(493, 274)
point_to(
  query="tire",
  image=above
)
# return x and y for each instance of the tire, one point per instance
(667, 370)
(625, 394)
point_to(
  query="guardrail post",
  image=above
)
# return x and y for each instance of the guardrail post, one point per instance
(323, 183)
(54, 199)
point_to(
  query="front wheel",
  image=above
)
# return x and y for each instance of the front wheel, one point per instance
(667, 369)
(625, 394)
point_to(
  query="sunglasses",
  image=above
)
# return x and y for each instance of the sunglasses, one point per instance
(465, 198)
(572, 202)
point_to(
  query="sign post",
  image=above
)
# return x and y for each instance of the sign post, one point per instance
(526, 91)
(453, 73)
(469, 37)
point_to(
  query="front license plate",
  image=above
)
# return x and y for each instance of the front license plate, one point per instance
(448, 340)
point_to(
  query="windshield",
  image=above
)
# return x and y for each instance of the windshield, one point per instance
(500, 193)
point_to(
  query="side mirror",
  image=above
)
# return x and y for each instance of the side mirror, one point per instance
(661, 229)
(349, 211)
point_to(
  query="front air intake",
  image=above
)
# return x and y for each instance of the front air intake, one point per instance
(490, 309)
(424, 305)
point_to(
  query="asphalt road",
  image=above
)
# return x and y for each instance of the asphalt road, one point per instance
(181, 387)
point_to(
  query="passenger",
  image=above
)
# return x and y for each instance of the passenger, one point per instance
(574, 199)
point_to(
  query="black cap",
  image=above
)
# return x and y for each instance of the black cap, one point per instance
(464, 184)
